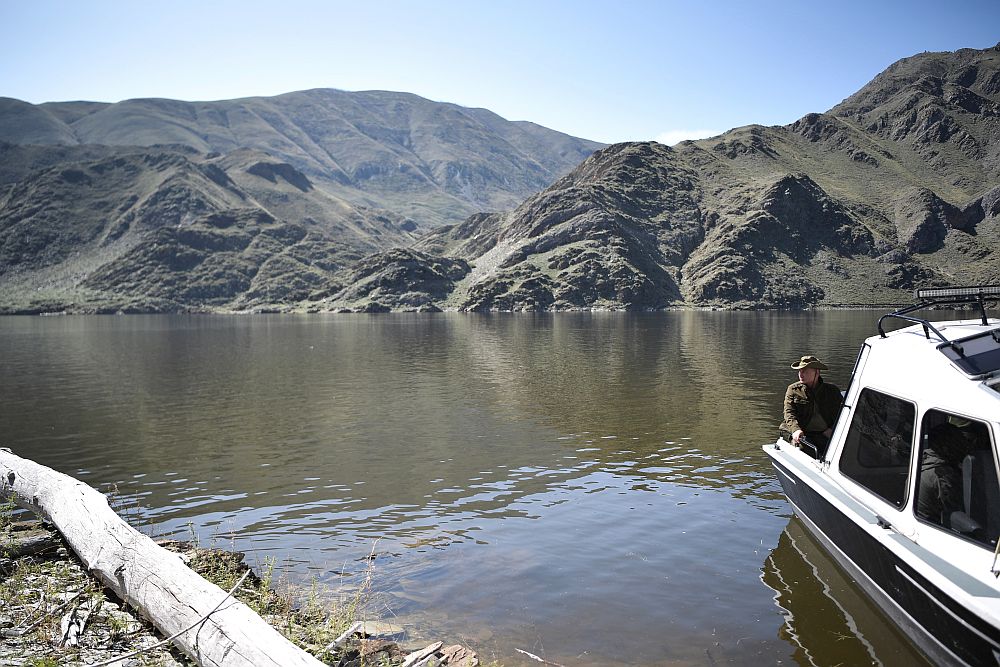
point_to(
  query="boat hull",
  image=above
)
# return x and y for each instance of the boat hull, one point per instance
(947, 632)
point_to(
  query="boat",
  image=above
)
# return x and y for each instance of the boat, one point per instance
(906, 496)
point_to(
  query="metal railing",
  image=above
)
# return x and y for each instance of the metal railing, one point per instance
(943, 296)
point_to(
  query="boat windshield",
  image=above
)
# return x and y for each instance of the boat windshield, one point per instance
(976, 355)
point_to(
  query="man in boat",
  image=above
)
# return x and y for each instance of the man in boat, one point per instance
(811, 406)
(944, 482)
(940, 491)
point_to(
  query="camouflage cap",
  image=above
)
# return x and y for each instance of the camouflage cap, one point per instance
(809, 361)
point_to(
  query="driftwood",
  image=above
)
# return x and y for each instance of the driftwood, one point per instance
(26, 538)
(149, 578)
(417, 657)
(73, 624)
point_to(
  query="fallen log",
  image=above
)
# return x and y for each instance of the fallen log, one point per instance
(151, 579)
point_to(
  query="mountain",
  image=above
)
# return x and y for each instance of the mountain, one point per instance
(433, 162)
(162, 205)
(260, 204)
(98, 229)
(896, 187)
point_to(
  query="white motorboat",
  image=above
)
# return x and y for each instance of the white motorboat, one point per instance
(906, 496)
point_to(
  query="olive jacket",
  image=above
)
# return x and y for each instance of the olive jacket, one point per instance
(801, 402)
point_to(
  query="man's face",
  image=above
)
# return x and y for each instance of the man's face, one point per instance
(808, 376)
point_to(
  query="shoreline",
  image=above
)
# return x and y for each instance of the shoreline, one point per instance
(56, 613)
(33, 312)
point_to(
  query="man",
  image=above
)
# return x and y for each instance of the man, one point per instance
(940, 491)
(942, 487)
(811, 405)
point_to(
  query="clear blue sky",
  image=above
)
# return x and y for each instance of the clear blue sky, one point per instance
(609, 71)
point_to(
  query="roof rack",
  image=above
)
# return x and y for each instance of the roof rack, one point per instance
(935, 296)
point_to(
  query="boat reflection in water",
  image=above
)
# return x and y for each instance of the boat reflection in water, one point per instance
(828, 619)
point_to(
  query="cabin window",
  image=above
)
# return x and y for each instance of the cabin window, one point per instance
(957, 486)
(877, 449)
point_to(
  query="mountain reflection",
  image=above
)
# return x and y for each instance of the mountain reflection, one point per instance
(359, 415)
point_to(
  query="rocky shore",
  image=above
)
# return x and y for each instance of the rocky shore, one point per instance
(54, 613)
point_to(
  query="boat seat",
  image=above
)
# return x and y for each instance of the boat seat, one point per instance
(980, 492)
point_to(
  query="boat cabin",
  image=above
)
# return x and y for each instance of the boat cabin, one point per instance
(916, 436)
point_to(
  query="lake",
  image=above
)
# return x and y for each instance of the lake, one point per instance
(589, 488)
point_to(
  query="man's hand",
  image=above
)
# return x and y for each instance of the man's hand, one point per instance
(796, 436)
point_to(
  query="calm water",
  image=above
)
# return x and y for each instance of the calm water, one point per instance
(589, 488)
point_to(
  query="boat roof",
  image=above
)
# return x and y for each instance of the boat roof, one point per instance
(957, 370)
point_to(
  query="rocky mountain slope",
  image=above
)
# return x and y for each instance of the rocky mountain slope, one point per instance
(433, 162)
(169, 229)
(896, 187)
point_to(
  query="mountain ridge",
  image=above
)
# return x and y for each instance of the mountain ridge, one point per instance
(895, 187)
(435, 162)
